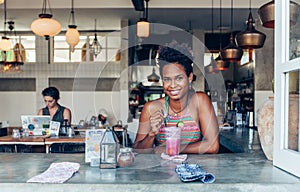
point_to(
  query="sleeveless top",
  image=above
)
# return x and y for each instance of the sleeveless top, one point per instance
(58, 116)
(190, 133)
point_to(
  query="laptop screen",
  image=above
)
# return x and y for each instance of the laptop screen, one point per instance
(35, 123)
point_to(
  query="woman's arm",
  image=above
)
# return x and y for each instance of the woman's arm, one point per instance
(208, 125)
(68, 115)
(150, 121)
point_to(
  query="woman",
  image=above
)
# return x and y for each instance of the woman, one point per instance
(181, 103)
(56, 111)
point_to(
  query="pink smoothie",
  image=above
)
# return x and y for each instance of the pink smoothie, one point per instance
(172, 146)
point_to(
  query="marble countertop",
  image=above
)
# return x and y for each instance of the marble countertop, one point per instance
(240, 139)
(233, 172)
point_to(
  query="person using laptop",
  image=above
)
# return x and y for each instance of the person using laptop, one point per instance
(53, 108)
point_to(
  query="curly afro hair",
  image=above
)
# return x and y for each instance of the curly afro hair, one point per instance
(175, 53)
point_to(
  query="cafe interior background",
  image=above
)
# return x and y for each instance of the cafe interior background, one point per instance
(115, 79)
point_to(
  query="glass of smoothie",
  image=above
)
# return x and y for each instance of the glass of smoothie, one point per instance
(172, 140)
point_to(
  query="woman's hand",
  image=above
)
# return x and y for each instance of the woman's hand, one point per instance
(160, 149)
(156, 120)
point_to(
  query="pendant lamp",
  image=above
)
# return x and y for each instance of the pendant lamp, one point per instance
(95, 47)
(267, 13)
(143, 25)
(45, 26)
(220, 65)
(231, 53)
(153, 77)
(210, 67)
(5, 44)
(11, 59)
(250, 38)
(72, 34)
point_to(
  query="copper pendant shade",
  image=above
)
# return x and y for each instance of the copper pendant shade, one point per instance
(267, 16)
(231, 53)
(220, 64)
(153, 77)
(250, 38)
(211, 67)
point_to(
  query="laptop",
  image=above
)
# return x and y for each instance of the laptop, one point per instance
(36, 124)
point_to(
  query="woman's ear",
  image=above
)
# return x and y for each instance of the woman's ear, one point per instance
(191, 76)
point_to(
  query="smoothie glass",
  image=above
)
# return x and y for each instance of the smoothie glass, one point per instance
(172, 140)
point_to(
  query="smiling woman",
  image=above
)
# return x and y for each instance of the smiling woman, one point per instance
(199, 133)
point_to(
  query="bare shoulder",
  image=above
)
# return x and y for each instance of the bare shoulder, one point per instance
(200, 97)
(154, 105)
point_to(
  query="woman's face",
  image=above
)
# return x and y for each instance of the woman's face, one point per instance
(49, 101)
(175, 80)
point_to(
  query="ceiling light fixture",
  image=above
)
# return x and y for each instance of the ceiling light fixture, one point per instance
(5, 43)
(143, 25)
(153, 77)
(220, 65)
(95, 47)
(231, 53)
(267, 14)
(72, 34)
(250, 38)
(11, 60)
(45, 26)
(1, 1)
(210, 67)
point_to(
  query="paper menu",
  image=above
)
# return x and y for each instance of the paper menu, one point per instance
(92, 143)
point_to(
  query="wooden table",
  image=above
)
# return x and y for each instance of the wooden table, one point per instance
(51, 140)
(30, 140)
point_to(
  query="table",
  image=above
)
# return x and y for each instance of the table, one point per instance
(51, 140)
(39, 140)
(31, 140)
(233, 172)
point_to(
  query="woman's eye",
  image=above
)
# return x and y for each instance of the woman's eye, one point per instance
(179, 78)
(166, 80)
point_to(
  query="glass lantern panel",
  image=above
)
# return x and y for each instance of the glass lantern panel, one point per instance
(108, 153)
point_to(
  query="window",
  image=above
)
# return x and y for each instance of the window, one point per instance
(110, 43)
(286, 102)
(28, 46)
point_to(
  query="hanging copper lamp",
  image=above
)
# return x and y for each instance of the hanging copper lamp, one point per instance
(210, 68)
(250, 38)
(231, 53)
(153, 77)
(220, 64)
(267, 14)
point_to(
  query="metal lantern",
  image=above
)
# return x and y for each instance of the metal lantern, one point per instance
(220, 64)
(109, 146)
(231, 52)
(267, 13)
(250, 38)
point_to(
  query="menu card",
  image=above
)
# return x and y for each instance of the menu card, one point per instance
(92, 143)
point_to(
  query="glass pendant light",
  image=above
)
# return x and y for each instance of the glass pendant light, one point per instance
(5, 44)
(95, 47)
(72, 34)
(143, 25)
(45, 26)
(11, 59)
(231, 53)
(250, 38)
